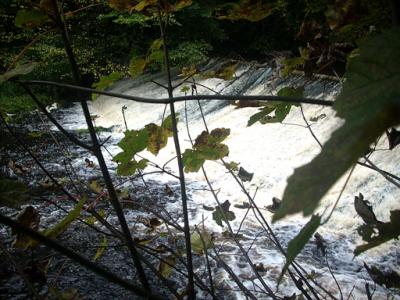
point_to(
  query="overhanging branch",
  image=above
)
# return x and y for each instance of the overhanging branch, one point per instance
(183, 98)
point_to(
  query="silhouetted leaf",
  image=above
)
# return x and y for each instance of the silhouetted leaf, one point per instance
(265, 111)
(297, 244)
(390, 279)
(18, 70)
(386, 232)
(244, 175)
(394, 138)
(364, 210)
(369, 103)
(220, 212)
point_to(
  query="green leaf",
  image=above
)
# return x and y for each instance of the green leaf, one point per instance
(60, 227)
(297, 244)
(165, 267)
(192, 160)
(130, 167)
(134, 141)
(291, 92)
(386, 232)
(369, 103)
(101, 249)
(13, 193)
(30, 18)
(249, 10)
(197, 239)
(105, 82)
(137, 66)
(222, 213)
(207, 146)
(19, 70)
(265, 111)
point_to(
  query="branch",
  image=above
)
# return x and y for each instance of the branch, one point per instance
(71, 137)
(183, 98)
(77, 258)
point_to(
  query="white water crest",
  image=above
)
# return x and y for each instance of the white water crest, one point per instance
(271, 152)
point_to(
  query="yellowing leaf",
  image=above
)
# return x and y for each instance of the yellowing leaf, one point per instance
(101, 249)
(60, 227)
(137, 66)
(201, 240)
(369, 103)
(165, 266)
(249, 10)
(95, 187)
(207, 146)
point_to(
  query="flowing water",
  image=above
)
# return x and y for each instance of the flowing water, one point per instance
(271, 152)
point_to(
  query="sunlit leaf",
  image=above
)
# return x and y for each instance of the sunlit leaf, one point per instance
(207, 146)
(101, 249)
(201, 240)
(19, 70)
(30, 18)
(369, 103)
(129, 168)
(223, 213)
(134, 141)
(297, 244)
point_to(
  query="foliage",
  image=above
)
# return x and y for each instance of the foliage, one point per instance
(297, 244)
(207, 146)
(369, 104)
(281, 109)
(152, 137)
(201, 241)
(13, 193)
(222, 213)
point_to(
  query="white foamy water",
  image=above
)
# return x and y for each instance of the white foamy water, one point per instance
(271, 152)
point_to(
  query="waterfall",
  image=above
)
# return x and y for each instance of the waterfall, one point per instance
(271, 152)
